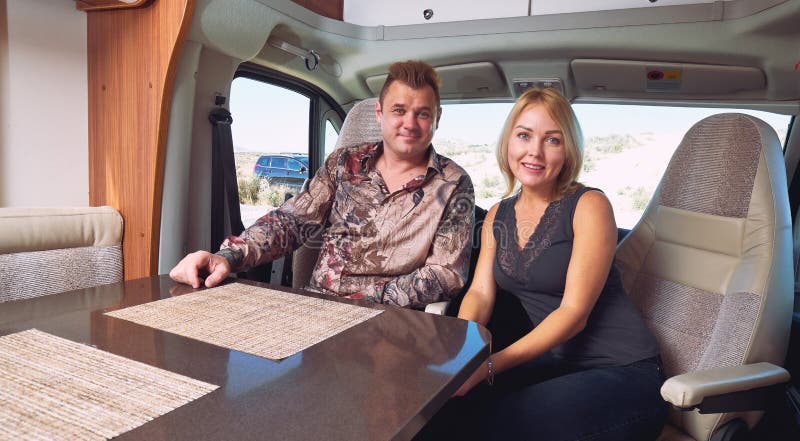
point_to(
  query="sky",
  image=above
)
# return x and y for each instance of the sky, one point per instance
(258, 127)
(253, 129)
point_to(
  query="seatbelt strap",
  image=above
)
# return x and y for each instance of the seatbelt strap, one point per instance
(223, 178)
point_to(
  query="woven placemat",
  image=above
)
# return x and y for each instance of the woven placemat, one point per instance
(52, 388)
(260, 321)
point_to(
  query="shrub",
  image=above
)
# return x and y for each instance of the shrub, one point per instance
(588, 163)
(489, 186)
(249, 189)
(612, 143)
(275, 195)
(640, 198)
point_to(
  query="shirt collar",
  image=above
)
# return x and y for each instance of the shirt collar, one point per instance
(434, 160)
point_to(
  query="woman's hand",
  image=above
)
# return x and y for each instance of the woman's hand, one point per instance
(474, 379)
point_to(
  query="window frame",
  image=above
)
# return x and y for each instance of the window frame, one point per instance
(321, 106)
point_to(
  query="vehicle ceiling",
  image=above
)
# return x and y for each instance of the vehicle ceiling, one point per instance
(759, 36)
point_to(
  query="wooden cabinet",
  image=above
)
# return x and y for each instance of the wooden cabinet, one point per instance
(327, 8)
(101, 5)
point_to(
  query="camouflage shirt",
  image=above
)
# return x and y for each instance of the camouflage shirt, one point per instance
(406, 248)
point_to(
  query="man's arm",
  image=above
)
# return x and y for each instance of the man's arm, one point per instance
(445, 269)
(284, 229)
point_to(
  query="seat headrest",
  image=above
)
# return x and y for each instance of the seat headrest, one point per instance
(27, 229)
(360, 126)
(714, 167)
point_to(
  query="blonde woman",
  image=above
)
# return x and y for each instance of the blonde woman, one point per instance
(588, 368)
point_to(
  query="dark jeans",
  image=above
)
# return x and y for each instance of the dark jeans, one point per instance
(547, 399)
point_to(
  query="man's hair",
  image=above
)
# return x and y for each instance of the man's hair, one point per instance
(413, 73)
(561, 112)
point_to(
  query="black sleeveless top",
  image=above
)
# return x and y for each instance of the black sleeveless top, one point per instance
(615, 333)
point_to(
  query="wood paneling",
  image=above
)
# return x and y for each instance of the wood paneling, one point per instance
(328, 8)
(96, 5)
(132, 57)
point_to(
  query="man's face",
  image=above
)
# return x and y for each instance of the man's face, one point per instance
(408, 118)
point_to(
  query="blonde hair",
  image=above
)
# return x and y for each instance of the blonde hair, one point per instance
(561, 112)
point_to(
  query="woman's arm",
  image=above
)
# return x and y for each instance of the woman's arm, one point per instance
(593, 250)
(478, 302)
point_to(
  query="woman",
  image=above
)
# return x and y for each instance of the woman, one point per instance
(589, 367)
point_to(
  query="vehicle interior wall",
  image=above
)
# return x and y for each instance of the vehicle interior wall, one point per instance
(222, 35)
(43, 110)
(186, 225)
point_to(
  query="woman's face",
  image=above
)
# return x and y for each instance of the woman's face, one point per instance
(536, 151)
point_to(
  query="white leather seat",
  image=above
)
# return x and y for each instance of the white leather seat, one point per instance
(710, 267)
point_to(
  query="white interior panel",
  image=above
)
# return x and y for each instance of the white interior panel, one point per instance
(542, 7)
(665, 78)
(365, 12)
(44, 155)
(471, 80)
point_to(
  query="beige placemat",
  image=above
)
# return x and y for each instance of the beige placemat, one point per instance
(52, 388)
(260, 321)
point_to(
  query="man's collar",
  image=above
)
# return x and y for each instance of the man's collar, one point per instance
(434, 160)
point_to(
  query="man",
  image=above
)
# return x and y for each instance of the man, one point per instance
(397, 216)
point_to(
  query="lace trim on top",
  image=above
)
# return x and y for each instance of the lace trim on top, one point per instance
(516, 262)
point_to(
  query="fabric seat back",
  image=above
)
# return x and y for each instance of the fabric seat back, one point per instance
(51, 250)
(709, 265)
(359, 127)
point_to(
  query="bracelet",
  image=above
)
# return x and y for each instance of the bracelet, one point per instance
(490, 375)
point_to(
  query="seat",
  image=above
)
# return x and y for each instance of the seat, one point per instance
(359, 127)
(46, 251)
(709, 266)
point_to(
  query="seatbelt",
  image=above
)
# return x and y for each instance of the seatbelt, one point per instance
(224, 186)
(223, 177)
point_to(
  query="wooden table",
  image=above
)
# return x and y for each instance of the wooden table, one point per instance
(381, 379)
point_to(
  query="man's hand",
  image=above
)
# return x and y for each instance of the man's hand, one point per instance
(201, 263)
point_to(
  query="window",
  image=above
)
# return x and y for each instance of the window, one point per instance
(277, 116)
(267, 119)
(294, 165)
(279, 163)
(331, 136)
(626, 148)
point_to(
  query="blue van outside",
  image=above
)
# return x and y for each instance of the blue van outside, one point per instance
(283, 169)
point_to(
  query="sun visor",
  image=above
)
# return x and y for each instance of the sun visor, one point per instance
(637, 78)
(461, 81)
